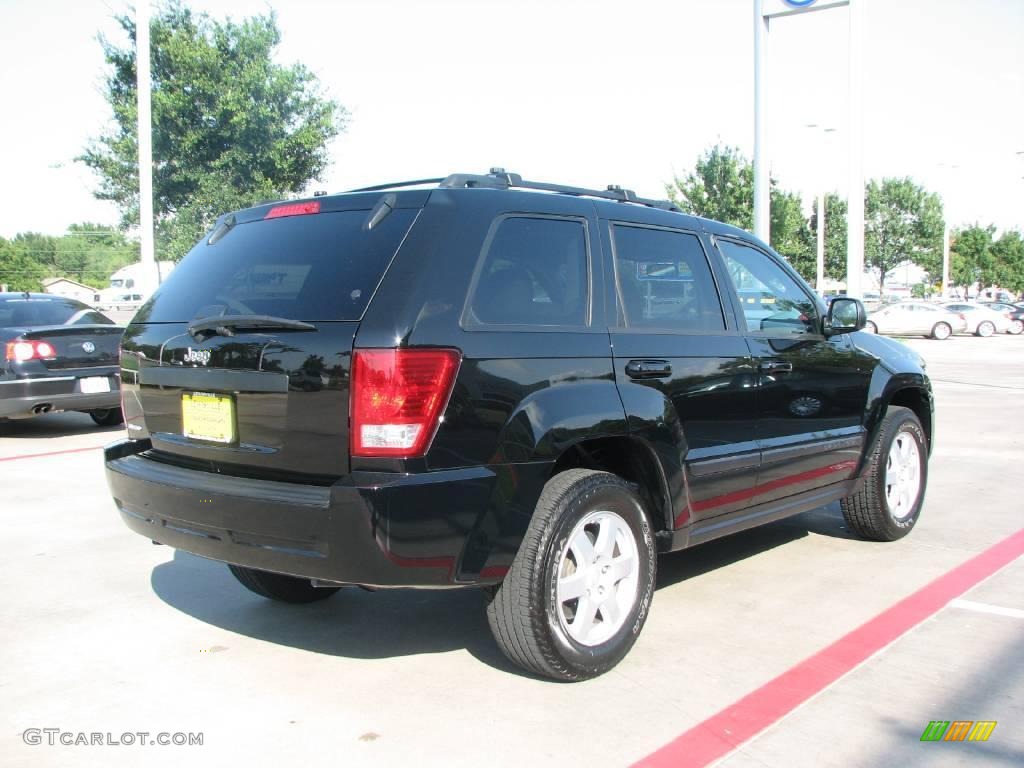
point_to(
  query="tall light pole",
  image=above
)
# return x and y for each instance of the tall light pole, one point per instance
(819, 284)
(764, 12)
(855, 139)
(762, 185)
(947, 199)
(145, 134)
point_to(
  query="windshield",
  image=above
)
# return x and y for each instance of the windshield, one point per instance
(319, 267)
(21, 312)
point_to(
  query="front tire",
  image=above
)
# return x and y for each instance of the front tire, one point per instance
(985, 329)
(277, 586)
(1016, 327)
(107, 417)
(888, 505)
(942, 331)
(580, 588)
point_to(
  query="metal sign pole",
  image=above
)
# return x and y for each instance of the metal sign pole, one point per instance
(145, 132)
(764, 11)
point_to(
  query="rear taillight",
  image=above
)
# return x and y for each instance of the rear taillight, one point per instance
(293, 209)
(22, 351)
(398, 397)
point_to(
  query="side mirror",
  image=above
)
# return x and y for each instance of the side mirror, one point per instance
(845, 315)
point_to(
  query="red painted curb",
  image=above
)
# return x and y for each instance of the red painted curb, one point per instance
(50, 453)
(723, 732)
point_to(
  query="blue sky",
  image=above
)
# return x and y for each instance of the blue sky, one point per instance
(586, 93)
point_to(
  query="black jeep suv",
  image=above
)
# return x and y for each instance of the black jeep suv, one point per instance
(481, 380)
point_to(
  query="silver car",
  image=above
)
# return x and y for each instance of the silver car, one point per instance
(916, 318)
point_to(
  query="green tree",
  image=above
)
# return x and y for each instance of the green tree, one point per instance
(721, 187)
(835, 235)
(791, 235)
(18, 270)
(1008, 254)
(90, 253)
(230, 126)
(970, 257)
(902, 221)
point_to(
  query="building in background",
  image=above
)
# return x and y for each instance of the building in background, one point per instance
(72, 289)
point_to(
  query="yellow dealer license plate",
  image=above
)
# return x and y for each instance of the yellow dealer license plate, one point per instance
(206, 416)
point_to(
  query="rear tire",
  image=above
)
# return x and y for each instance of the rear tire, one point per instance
(277, 586)
(107, 417)
(580, 588)
(888, 505)
(942, 331)
(985, 329)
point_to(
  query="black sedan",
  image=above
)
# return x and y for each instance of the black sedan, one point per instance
(58, 355)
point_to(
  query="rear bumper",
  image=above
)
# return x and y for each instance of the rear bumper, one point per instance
(377, 529)
(22, 397)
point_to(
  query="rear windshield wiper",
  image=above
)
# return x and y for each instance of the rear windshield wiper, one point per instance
(227, 325)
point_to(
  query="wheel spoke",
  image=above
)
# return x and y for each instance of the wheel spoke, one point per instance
(583, 622)
(621, 567)
(610, 610)
(605, 544)
(572, 586)
(904, 451)
(583, 549)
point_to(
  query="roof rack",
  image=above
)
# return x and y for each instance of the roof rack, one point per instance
(499, 178)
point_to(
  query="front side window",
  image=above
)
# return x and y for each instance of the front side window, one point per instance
(534, 273)
(664, 281)
(771, 300)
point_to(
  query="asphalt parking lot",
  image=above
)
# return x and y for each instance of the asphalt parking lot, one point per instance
(791, 634)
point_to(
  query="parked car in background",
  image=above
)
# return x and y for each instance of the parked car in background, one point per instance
(1013, 312)
(916, 318)
(981, 320)
(59, 355)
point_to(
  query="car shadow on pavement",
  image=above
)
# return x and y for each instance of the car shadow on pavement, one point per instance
(386, 623)
(354, 623)
(680, 566)
(54, 425)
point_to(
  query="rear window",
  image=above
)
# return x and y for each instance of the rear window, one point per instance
(21, 312)
(319, 267)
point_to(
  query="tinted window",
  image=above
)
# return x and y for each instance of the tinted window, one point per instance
(665, 281)
(534, 273)
(320, 267)
(22, 312)
(90, 317)
(771, 300)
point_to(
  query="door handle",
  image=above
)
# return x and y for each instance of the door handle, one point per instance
(648, 369)
(776, 366)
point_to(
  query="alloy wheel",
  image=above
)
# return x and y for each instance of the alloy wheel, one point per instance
(903, 475)
(598, 578)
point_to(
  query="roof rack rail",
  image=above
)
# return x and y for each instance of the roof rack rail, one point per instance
(396, 185)
(499, 178)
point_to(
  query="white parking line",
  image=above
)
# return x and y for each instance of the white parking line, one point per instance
(970, 605)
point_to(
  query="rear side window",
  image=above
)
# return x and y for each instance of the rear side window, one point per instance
(22, 312)
(534, 272)
(319, 267)
(664, 281)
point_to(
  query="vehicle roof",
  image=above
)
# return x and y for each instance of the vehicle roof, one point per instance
(34, 295)
(610, 203)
